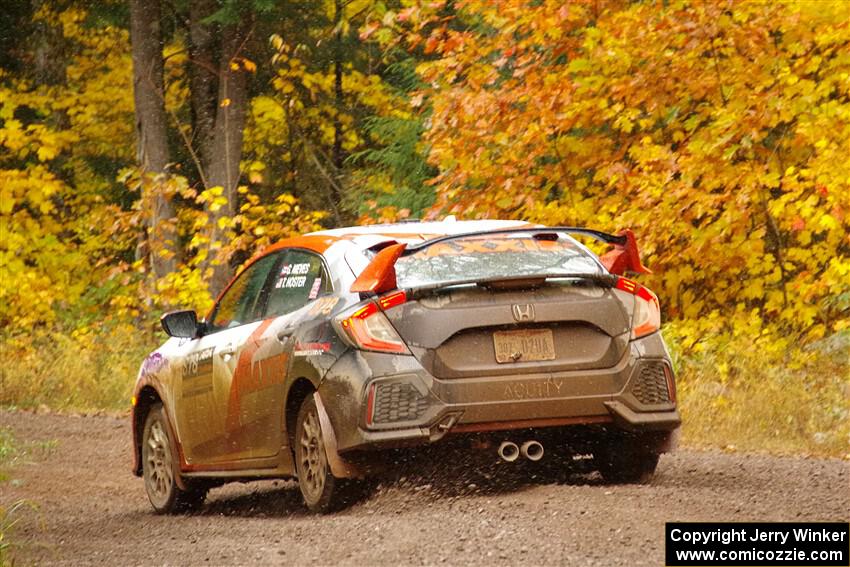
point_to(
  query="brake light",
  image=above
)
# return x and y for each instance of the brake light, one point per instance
(647, 315)
(369, 329)
(393, 299)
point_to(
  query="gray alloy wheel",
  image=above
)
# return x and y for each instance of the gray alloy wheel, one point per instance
(318, 485)
(158, 469)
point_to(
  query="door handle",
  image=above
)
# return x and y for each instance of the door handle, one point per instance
(285, 334)
(227, 351)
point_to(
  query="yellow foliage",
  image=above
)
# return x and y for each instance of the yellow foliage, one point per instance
(766, 390)
(718, 133)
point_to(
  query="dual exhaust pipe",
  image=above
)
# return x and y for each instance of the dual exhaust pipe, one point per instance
(510, 451)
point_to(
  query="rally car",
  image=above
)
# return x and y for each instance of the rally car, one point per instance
(334, 348)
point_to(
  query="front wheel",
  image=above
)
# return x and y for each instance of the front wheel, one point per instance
(322, 491)
(159, 470)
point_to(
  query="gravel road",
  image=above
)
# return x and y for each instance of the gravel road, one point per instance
(91, 510)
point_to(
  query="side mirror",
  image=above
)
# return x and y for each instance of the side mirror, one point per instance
(181, 324)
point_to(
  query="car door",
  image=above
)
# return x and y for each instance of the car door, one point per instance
(302, 279)
(206, 402)
(258, 371)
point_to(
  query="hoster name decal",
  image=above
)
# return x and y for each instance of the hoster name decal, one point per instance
(293, 275)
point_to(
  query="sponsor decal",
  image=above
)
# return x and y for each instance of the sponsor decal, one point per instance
(153, 364)
(198, 363)
(497, 246)
(311, 349)
(314, 291)
(291, 281)
(533, 390)
(197, 373)
(293, 276)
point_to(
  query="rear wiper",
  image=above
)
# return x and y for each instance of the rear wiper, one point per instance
(538, 233)
(602, 280)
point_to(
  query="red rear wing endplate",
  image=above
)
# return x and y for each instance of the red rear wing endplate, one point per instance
(379, 275)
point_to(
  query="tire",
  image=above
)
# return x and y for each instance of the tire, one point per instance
(160, 471)
(322, 491)
(627, 466)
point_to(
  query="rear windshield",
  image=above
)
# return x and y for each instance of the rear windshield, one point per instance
(488, 258)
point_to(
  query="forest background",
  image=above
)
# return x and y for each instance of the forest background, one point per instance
(148, 148)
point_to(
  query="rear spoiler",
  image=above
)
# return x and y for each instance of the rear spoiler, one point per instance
(379, 276)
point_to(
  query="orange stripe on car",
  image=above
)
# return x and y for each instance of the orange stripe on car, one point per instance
(242, 376)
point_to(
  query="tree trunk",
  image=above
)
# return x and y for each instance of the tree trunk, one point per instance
(48, 49)
(225, 150)
(337, 155)
(151, 133)
(203, 76)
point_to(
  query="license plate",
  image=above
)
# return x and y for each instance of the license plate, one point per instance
(524, 346)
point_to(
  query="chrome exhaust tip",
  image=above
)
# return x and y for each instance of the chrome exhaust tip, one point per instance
(532, 450)
(509, 451)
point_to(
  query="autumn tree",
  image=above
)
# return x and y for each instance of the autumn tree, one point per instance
(718, 131)
(153, 155)
(63, 127)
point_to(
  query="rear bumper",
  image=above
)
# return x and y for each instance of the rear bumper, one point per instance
(410, 407)
(631, 420)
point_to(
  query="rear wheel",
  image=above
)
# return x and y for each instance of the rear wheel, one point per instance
(319, 487)
(627, 465)
(159, 469)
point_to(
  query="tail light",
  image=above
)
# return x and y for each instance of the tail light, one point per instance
(369, 329)
(647, 315)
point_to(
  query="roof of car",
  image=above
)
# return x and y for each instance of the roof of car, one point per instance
(323, 239)
(423, 230)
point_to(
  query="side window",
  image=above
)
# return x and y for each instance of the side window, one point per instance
(244, 301)
(301, 278)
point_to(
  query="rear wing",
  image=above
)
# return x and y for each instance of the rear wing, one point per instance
(380, 276)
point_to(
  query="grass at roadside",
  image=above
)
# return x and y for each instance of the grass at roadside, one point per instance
(94, 371)
(11, 452)
(751, 391)
(8, 452)
(747, 389)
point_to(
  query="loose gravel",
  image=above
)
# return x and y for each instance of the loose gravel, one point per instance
(89, 509)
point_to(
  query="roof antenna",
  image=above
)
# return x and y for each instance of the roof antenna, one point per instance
(449, 218)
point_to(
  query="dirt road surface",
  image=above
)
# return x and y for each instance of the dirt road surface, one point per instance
(91, 510)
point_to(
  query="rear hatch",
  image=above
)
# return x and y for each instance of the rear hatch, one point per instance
(513, 303)
(471, 331)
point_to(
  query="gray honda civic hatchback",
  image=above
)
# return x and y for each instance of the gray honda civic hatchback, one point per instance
(332, 350)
